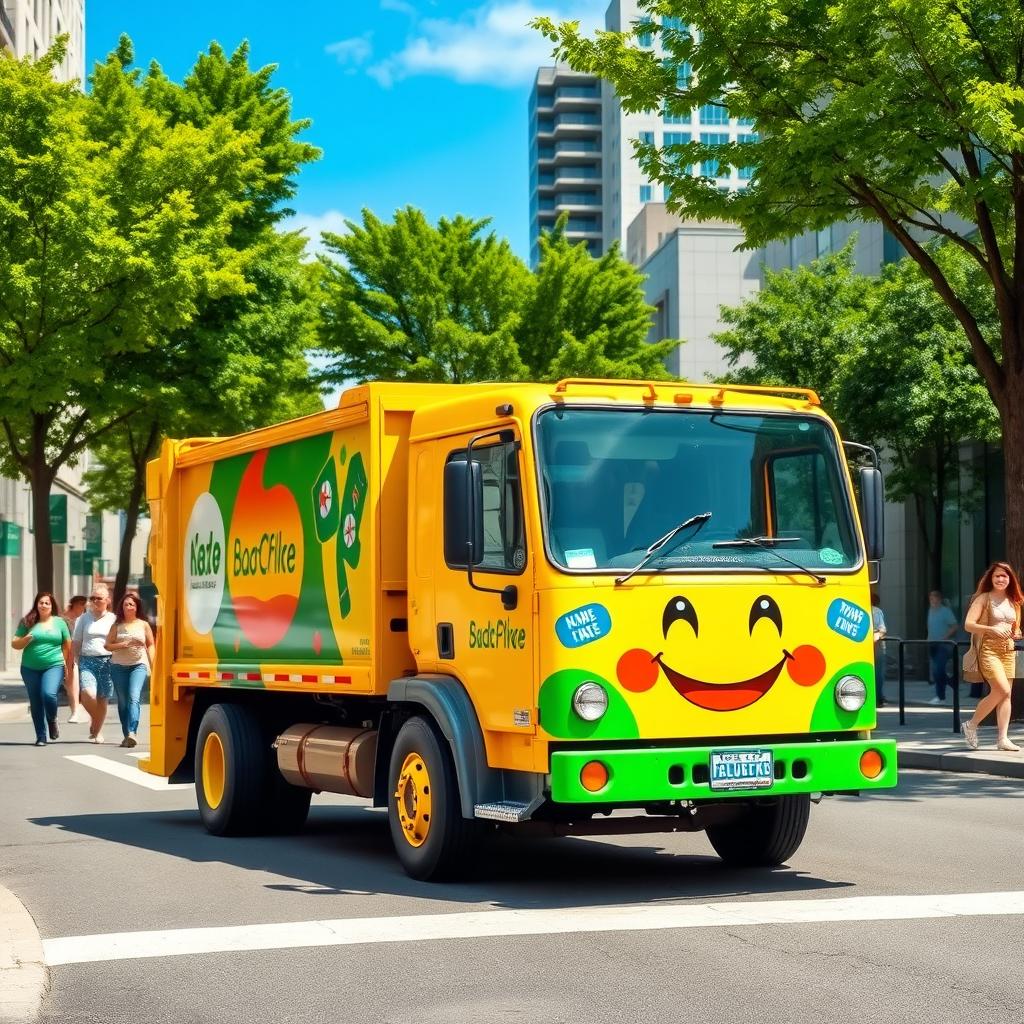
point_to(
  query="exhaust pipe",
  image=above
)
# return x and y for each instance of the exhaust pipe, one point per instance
(328, 758)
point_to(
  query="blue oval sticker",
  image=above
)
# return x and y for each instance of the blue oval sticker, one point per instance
(848, 619)
(583, 625)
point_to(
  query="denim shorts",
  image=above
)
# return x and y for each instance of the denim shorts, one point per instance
(94, 676)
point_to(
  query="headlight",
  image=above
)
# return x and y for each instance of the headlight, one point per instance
(851, 693)
(590, 702)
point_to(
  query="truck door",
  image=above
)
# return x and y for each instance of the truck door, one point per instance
(484, 610)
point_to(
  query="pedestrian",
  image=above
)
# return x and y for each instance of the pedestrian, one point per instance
(44, 640)
(879, 631)
(994, 619)
(942, 626)
(130, 641)
(89, 647)
(72, 613)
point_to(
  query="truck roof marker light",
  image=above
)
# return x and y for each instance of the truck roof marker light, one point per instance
(850, 693)
(682, 398)
(593, 776)
(871, 764)
(590, 701)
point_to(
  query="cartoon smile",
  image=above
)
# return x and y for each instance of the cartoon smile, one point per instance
(722, 696)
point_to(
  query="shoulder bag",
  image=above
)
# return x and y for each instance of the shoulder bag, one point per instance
(971, 667)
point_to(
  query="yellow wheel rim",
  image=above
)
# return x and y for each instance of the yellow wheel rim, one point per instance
(412, 796)
(213, 771)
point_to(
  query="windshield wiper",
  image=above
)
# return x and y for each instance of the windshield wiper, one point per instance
(768, 544)
(698, 520)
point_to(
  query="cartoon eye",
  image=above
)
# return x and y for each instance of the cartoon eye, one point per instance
(678, 608)
(765, 607)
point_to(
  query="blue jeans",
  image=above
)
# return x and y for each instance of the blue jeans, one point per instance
(128, 683)
(938, 668)
(42, 686)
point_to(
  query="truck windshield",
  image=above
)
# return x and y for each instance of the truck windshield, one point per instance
(614, 481)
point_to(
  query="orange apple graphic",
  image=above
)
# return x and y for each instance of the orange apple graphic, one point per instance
(265, 555)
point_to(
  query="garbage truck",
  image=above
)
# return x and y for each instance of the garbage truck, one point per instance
(581, 608)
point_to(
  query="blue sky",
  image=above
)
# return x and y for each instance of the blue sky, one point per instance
(419, 102)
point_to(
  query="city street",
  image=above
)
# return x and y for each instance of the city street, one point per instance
(93, 854)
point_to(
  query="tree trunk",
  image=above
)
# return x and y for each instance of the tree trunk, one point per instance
(132, 509)
(1012, 415)
(40, 477)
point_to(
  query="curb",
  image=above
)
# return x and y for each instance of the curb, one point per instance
(23, 975)
(936, 760)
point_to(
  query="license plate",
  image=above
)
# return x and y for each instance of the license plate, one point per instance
(742, 769)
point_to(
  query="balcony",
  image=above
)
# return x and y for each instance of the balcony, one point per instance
(572, 173)
(6, 30)
(575, 147)
(578, 119)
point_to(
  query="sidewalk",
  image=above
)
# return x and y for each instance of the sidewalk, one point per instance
(926, 741)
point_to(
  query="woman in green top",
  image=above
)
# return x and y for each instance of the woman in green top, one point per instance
(45, 644)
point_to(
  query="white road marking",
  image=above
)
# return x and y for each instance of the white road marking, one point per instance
(129, 773)
(80, 949)
(137, 754)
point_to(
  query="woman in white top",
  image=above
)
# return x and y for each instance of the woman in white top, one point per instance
(130, 641)
(90, 652)
(994, 617)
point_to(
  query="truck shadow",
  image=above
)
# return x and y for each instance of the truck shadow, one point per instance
(346, 850)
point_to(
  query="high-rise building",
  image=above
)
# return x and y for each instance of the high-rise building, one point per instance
(565, 156)
(626, 187)
(29, 27)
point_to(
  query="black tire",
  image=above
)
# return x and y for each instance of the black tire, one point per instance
(240, 805)
(449, 841)
(765, 834)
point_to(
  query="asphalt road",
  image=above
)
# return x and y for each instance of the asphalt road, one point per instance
(90, 854)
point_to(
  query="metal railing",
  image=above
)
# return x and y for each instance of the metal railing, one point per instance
(955, 646)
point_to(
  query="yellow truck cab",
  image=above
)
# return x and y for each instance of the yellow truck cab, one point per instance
(521, 606)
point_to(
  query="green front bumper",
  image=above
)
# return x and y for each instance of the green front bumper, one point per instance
(681, 773)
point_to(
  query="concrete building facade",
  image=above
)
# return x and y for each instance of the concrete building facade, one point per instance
(29, 27)
(565, 156)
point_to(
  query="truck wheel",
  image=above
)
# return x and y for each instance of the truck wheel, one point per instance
(766, 834)
(231, 770)
(431, 837)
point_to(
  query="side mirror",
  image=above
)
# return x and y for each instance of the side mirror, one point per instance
(463, 518)
(872, 511)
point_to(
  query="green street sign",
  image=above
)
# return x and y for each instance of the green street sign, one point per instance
(58, 519)
(81, 563)
(93, 534)
(10, 539)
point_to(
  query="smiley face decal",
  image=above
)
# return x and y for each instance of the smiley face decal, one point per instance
(638, 669)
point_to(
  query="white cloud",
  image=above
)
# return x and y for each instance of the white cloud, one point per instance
(354, 51)
(312, 224)
(493, 44)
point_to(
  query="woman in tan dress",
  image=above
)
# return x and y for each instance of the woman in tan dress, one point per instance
(994, 618)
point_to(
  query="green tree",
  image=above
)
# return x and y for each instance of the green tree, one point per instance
(911, 114)
(802, 328)
(586, 317)
(239, 361)
(113, 229)
(891, 365)
(448, 303)
(244, 369)
(915, 390)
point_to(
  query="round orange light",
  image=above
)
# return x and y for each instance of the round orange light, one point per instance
(871, 764)
(594, 776)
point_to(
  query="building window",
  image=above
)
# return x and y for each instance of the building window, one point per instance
(647, 138)
(892, 247)
(678, 139)
(644, 34)
(710, 168)
(746, 173)
(714, 113)
(745, 122)
(823, 240)
(676, 118)
(684, 72)
(666, 194)
(673, 24)
(645, 193)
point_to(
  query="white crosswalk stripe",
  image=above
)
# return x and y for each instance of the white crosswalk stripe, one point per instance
(127, 772)
(492, 923)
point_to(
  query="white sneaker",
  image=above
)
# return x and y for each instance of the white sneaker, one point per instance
(936, 700)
